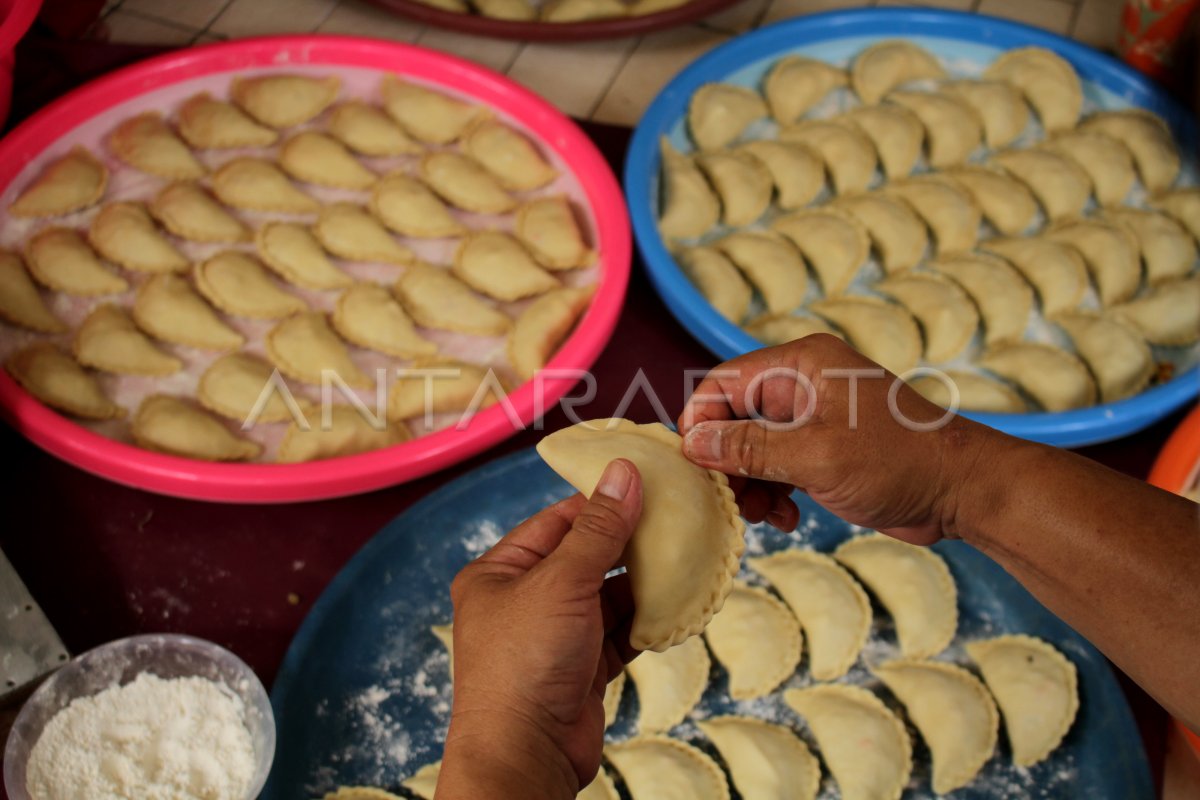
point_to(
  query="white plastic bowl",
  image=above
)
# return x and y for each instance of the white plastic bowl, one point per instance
(118, 663)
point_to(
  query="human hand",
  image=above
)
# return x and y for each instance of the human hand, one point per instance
(538, 634)
(854, 452)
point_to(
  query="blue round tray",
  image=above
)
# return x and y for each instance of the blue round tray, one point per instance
(838, 36)
(363, 696)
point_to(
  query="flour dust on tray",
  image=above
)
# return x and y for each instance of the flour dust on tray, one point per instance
(152, 739)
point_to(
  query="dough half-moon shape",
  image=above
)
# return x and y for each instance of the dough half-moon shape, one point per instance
(833, 241)
(795, 84)
(1006, 202)
(913, 584)
(1147, 137)
(1056, 270)
(208, 123)
(975, 393)
(1048, 82)
(848, 153)
(766, 761)
(282, 101)
(1117, 354)
(757, 639)
(864, 744)
(145, 142)
(71, 182)
(685, 550)
(718, 280)
(304, 347)
(20, 302)
(655, 768)
(125, 234)
(542, 327)
(1168, 314)
(772, 330)
(947, 207)
(1055, 378)
(189, 212)
(436, 299)
(1110, 252)
(322, 160)
(689, 207)
(898, 233)
(719, 112)
(368, 315)
(833, 609)
(238, 284)
(772, 264)
(891, 63)
(348, 433)
(1036, 688)
(669, 684)
(109, 341)
(953, 711)
(52, 376)
(348, 231)
(884, 332)
(179, 427)
(947, 316)
(236, 384)
(1168, 250)
(1004, 299)
(169, 309)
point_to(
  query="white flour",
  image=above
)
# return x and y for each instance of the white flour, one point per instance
(152, 739)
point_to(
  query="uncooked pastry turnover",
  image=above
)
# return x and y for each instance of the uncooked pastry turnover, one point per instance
(684, 553)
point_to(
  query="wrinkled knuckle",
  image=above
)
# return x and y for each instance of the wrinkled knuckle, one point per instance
(599, 519)
(748, 445)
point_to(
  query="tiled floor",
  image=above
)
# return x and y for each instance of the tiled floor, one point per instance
(609, 81)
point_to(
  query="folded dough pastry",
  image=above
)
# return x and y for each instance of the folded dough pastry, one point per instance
(766, 761)
(742, 183)
(718, 280)
(669, 684)
(772, 330)
(125, 234)
(898, 233)
(1006, 202)
(719, 112)
(1061, 185)
(953, 129)
(677, 587)
(947, 208)
(238, 284)
(256, 184)
(548, 227)
(349, 231)
(1056, 379)
(797, 171)
(1036, 688)
(1110, 252)
(656, 767)
(1168, 250)
(864, 744)
(833, 609)
(463, 183)
(1115, 351)
(60, 259)
(20, 302)
(178, 427)
(832, 240)
(1183, 205)
(295, 254)
(426, 113)
(771, 263)
(1168, 314)
(1000, 106)
(913, 584)
(1106, 160)
(436, 299)
(207, 123)
(320, 159)
(1004, 299)
(368, 130)
(849, 154)
(1147, 137)
(368, 315)
(884, 332)
(953, 711)
(975, 393)
(898, 136)
(508, 155)
(109, 341)
(689, 207)
(891, 63)
(169, 309)
(282, 101)
(410, 208)
(190, 212)
(947, 316)
(147, 143)
(304, 347)
(1047, 80)
(52, 376)
(443, 386)
(1056, 270)
(497, 265)
(71, 182)
(757, 639)
(542, 328)
(240, 386)
(795, 84)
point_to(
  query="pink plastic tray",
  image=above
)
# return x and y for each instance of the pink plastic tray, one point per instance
(275, 483)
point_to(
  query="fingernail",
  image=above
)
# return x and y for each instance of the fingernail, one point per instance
(703, 443)
(615, 481)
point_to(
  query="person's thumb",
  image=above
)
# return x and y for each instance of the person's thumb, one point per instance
(742, 447)
(600, 532)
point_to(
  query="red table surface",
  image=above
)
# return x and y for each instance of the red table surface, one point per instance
(107, 561)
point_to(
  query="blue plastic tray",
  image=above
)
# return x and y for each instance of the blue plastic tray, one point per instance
(363, 696)
(837, 36)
